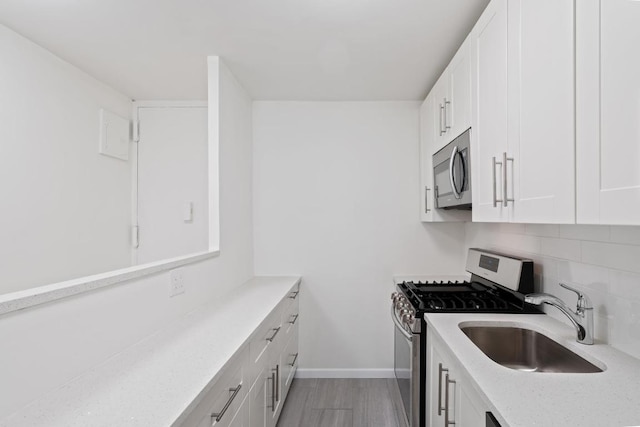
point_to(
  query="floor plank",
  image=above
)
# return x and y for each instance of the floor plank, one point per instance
(330, 418)
(372, 405)
(333, 393)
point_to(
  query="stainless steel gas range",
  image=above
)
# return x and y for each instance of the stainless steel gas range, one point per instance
(498, 284)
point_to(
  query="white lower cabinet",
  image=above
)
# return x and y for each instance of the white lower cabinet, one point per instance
(451, 398)
(253, 386)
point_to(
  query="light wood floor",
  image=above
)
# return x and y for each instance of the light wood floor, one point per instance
(343, 403)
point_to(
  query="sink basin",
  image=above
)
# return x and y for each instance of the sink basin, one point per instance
(526, 350)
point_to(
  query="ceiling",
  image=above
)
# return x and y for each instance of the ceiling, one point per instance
(278, 49)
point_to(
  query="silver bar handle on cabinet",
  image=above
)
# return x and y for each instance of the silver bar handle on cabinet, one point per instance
(272, 337)
(446, 126)
(278, 382)
(442, 131)
(295, 358)
(295, 294)
(446, 402)
(426, 199)
(217, 416)
(273, 391)
(505, 159)
(294, 319)
(440, 371)
(495, 186)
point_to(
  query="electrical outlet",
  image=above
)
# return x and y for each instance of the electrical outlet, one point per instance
(176, 285)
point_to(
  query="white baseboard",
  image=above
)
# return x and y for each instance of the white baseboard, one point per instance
(344, 373)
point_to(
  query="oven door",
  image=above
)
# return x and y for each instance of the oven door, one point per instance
(407, 370)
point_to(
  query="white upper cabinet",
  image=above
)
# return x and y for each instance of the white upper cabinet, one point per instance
(452, 97)
(608, 114)
(489, 112)
(523, 139)
(428, 131)
(459, 70)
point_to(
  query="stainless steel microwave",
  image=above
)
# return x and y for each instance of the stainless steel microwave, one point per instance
(452, 174)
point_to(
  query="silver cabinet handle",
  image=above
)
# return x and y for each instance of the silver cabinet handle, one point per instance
(272, 337)
(295, 358)
(495, 195)
(446, 126)
(273, 391)
(442, 131)
(446, 402)
(440, 371)
(217, 416)
(505, 159)
(452, 161)
(278, 382)
(426, 200)
(295, 318)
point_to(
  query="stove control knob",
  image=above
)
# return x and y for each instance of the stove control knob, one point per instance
(408, 318)
(394, 296)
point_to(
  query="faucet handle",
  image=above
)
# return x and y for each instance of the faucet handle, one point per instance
(584, 303)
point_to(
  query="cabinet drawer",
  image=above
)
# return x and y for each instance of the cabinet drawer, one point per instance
(224, 398)
(268, 334)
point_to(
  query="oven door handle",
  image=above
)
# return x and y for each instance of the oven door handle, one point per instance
(406, 334)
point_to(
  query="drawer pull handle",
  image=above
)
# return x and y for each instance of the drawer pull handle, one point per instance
(294, 319)
(272, 337)
(295, 358)
(440, 371)
(294, 294)
(217, 416)
(278, 383)
(273, 391)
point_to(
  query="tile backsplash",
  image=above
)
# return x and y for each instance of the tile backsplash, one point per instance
(603, 261)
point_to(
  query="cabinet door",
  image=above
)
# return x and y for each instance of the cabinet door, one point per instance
(260, 402)
(459, 113)
(442, 388)
(470, 410)
(541, 176)
(608, 101)
(427, 135)
(489, 112)
(442, 100)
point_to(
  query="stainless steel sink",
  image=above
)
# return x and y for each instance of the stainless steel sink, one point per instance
(526, 350)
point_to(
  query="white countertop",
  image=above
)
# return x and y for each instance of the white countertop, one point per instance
(518, 399)
(157, 381)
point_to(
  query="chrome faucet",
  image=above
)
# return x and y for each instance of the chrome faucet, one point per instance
(582, 318)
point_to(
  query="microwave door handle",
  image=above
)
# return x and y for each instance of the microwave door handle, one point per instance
(452, 161)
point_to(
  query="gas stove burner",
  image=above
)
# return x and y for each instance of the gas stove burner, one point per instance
(459, 297)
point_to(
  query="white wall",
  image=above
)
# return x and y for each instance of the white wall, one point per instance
(46, 346)
(66, 209)
(603, 261)
(336, 200)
